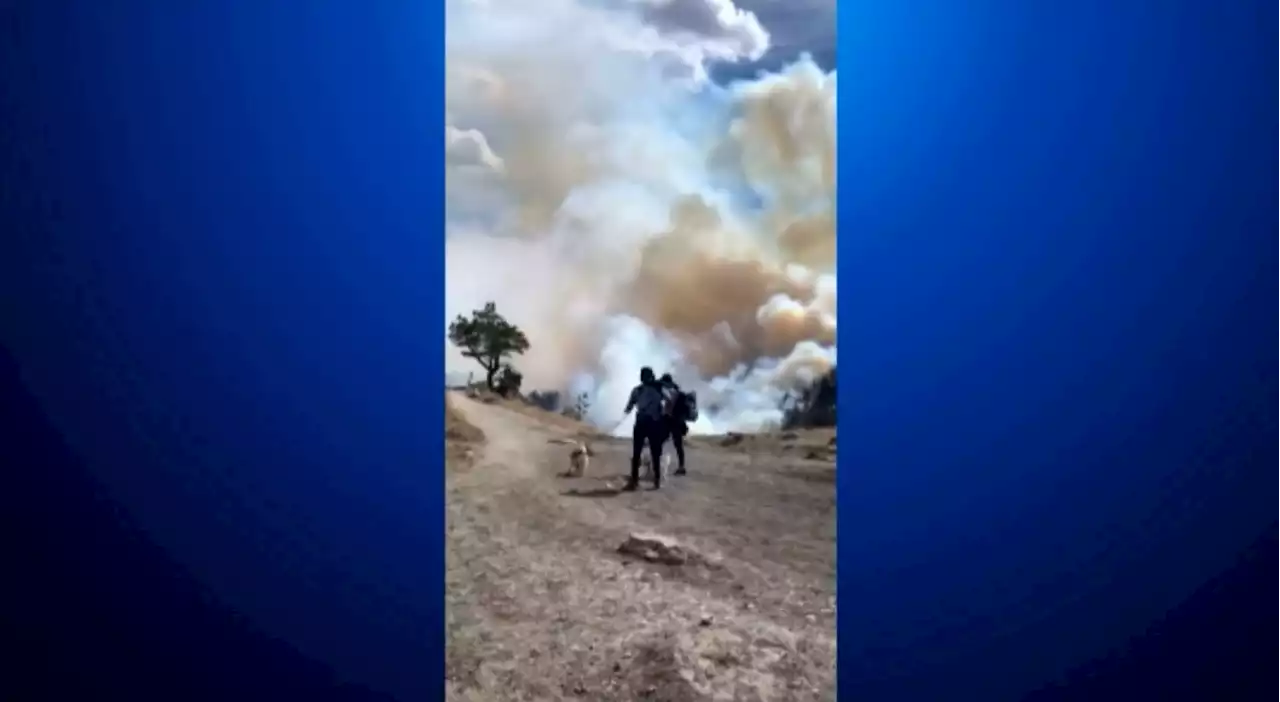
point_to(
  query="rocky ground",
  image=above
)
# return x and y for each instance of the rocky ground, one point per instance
(720, 586)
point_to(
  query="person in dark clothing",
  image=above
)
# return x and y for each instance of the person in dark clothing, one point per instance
(650, 403)
(677, 424)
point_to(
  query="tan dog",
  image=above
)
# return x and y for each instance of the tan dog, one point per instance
(646, 465)
(580, 459)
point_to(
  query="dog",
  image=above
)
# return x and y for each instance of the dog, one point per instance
(646, 465)
(580, 459)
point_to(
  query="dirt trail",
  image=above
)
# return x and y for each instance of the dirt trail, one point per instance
(541, 606)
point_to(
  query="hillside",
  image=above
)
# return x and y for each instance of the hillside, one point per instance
(719, 586)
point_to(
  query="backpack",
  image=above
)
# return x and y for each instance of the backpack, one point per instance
(685, 406)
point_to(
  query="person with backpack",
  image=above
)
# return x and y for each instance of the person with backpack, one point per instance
(650, 402)
(681, 409)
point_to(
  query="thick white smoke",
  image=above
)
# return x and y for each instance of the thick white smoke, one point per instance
(625, 211)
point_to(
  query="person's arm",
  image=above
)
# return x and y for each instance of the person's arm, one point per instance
(631, 402)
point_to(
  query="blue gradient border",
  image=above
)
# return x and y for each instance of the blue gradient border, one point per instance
(1057, 421)
(1057, 265)
(230, 267)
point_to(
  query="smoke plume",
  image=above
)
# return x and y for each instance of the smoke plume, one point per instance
(625, 211)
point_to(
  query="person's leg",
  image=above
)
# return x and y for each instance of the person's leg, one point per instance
(657, 437)
(677, 440)
(638, 437)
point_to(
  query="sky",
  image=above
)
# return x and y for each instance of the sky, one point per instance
(795, 28)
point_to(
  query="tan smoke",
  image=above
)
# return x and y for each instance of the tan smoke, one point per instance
(624, 214)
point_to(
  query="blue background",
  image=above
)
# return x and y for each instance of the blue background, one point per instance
(1058, 364)
(1056, 254)
(228, 295)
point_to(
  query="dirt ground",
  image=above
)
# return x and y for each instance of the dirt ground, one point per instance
(732, 599)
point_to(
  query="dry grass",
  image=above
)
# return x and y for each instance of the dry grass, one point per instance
(462, 439)
(542, 606)
(457, 429)
(809, 444)
(552, 420)
(560, 423)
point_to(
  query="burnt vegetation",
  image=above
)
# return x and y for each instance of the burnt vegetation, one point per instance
(814, 406)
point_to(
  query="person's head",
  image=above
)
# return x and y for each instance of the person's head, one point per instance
(646, 375)
(667, 379)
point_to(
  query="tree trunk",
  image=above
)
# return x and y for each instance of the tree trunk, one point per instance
(490, 374)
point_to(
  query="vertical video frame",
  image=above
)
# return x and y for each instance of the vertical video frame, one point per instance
(641, 350)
